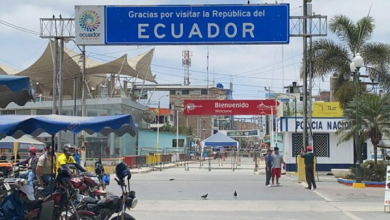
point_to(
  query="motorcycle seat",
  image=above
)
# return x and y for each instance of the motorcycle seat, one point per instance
(90, 200)
(36, 204)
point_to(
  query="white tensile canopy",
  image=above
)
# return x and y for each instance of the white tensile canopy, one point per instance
(6, 70)
(42, 70)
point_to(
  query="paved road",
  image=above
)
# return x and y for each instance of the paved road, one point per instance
(160, 198)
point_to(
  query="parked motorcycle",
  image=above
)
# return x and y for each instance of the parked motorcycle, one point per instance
(87, 183)
(112, 204)
(64, 198)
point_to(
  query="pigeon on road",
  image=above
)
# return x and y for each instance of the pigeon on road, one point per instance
(235, 194)
(204, 196)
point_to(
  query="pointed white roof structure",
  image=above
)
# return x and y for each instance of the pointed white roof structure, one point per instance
(142, 64)
(42, 70)
(7, 70)
(138, 67)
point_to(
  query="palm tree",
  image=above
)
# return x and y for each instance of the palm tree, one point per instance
(332, 57)
(374, 118)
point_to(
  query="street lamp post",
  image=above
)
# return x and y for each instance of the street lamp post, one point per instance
(295, 119)
(357, 62)
(158, 122)
(271, 127)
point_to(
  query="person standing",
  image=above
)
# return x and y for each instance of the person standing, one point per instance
(268, 167)
(277, 161)
(309, 167)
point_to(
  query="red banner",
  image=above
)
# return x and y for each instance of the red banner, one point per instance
(230, 107)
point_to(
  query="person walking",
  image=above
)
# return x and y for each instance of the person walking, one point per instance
(277, 161)
(309, 167)
(268, 167)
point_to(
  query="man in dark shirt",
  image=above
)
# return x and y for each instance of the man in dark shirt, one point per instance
(309, 167)
(268, 167)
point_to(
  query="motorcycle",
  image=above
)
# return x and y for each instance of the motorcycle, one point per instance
(64, 205)
(111, 204)
(88, 184)
(14, 171)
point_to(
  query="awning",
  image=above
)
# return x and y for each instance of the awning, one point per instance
(221, 140)
(24, 142)
(14, 89)
(18, 125)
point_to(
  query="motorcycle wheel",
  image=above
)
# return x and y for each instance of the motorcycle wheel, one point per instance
(87, 217)
(127, 217)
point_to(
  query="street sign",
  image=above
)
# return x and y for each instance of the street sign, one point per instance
(182, 24)
(246, 133)
(230, 107)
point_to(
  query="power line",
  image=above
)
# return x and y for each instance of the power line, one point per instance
(18, 28)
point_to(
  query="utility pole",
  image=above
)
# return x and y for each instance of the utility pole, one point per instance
(54, 109)
(61, 86)
(83, 106)
(305, 109)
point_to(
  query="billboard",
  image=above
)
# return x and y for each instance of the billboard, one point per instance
(182, 24)
(327, 109)
(230, 107)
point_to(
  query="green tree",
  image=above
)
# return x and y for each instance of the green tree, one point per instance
(374, 118)
(331, 57)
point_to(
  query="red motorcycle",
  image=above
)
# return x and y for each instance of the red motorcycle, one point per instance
(88, 184)
(63, 199)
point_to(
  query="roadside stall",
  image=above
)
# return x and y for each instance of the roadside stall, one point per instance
(219, 142)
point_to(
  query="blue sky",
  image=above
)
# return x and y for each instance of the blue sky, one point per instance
(250, 68)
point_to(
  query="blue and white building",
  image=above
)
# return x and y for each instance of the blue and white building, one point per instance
(330, 154)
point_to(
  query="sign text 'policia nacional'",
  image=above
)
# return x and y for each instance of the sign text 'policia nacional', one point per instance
(187, 24)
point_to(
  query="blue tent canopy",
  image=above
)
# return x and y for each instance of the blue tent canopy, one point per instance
(220, 140)
(18, 125)
(14, 89)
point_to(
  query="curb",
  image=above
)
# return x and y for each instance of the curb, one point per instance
(367, 183)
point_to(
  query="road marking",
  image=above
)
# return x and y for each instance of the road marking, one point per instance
(329, 200)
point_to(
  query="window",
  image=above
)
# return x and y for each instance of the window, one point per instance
(172, 92)
(195, 92)
(204, 92)
(181, 143)
(23, 112)
(43, 112)
(7, 112)
(185, 92)
(320, 144)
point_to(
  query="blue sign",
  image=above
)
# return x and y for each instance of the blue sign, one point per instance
(199, 24)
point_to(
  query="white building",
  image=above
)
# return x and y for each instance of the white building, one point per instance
(329, 154)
